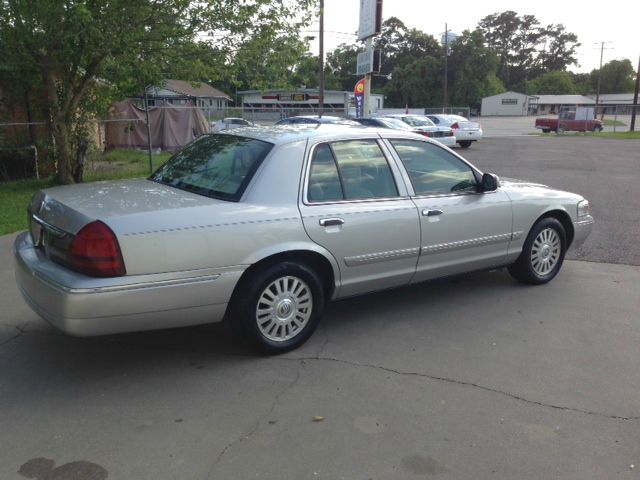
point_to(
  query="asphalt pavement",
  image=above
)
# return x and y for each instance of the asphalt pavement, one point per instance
(468, 378)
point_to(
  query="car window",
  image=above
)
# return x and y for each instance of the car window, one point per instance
(433, 170)
(435, 120)
(350, 170)
(364, 170)
(218, 166)
(418, 121)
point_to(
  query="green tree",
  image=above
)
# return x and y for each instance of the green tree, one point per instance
(618, 76)
(472, 70)
(525, 48)
(342, 63)
(552, 83)
(78, 48)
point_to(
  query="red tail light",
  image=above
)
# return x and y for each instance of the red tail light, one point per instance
(95, 251)
(426, 134)
(454, 126)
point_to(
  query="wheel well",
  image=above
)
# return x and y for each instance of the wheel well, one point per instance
(313, 260)
(564, 218)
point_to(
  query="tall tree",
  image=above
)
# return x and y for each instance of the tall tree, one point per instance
(617, 76)
(525, 48)
(77, 46)
(552, 83)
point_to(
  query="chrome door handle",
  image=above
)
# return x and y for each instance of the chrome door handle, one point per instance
(327, 222)
(431, 213)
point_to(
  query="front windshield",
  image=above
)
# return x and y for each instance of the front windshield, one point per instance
(418, 122)
(218, 166)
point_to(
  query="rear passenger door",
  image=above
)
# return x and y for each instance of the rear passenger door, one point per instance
(355, 204)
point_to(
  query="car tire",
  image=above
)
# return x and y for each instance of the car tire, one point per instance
(542, 254)
(546, 130)
(278, 308)
(464, 143)
(597, 128)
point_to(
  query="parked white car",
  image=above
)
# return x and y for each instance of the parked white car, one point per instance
(422, 125)
(464, 130)
(230, 122)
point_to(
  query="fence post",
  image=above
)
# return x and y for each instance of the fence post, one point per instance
(146, 111)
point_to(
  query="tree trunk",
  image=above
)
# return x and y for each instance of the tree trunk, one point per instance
(64, 155)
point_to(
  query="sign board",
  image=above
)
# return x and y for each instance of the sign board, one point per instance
(358, 91)
(368, 62)
(370, 18)
(365, 62)
(293, 97)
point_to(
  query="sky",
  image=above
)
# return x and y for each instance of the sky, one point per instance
(593, 22)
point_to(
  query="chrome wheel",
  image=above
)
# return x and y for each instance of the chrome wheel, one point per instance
(284, 308)
(545, 251)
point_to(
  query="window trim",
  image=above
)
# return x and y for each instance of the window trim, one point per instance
(396, 174)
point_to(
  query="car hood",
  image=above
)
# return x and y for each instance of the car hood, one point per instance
(521, 188)
(70, 207)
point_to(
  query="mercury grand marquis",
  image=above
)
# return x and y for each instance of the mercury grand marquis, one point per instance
(263, 226)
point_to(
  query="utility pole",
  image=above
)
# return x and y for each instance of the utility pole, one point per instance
(446, 60)
(366, 106)
(600, 75)
(635, 99)
(321, 72)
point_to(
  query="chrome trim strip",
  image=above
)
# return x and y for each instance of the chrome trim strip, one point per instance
(46, 225)
(516, 235)
(128, 287)
(462, 244)
(380, 257)
(583, 223)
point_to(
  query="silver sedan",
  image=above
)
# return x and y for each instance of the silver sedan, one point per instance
(263, 226)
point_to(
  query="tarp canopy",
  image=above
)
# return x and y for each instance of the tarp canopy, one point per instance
(172, 127)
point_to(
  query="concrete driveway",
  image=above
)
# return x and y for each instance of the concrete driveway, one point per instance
(471, 378)
(477, 377)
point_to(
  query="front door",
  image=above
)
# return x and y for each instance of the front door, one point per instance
(462, 230)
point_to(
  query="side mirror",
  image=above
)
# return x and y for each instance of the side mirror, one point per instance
(489, 182)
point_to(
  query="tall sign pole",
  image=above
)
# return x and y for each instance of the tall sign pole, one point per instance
(446, 61)
(321, 72)
(370, 26)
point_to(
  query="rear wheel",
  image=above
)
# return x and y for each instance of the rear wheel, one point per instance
(542, 254)
(278, 308)
(597, 128)
(464, 143)
(546, 130)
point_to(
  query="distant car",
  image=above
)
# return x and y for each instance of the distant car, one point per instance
(315, 120)
(230, 122)
(264, 225)
(385, 122)
(422, 125)
(464, 130)
(566, 121)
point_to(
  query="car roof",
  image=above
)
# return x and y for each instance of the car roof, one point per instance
(283, 134)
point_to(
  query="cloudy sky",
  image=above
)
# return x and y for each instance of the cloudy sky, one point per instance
(617, 23)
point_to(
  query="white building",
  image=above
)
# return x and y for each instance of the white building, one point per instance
(506, 104)
(305, 101)
(551, 104)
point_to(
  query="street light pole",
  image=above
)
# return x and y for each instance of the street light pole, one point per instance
(446, 61)
(634, 110)
(321, 72)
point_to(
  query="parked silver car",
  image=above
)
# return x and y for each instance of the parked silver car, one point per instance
(230, 122)
(424, 126)
(264, 225)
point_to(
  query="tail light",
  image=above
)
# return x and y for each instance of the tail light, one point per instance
(449, 133)
(454, 126)
(426, 134)
(93, 251)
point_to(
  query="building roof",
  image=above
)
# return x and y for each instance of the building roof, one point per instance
(563, 100)
(202, 90)
(509, 93)
(615, 98)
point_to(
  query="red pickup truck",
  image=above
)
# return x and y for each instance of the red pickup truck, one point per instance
(567, 121)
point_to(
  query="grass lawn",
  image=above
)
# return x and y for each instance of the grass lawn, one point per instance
(116, 164)
(610, 123)
(614, 135)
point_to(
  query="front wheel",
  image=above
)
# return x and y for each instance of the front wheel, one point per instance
(542, 254)
(597, 128)
(464, 143)
(278, 308)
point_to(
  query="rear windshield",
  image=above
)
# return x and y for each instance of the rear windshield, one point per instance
(218, 166)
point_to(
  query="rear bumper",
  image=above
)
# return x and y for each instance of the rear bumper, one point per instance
(581, 230)
(85, 306)
(468, 135)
